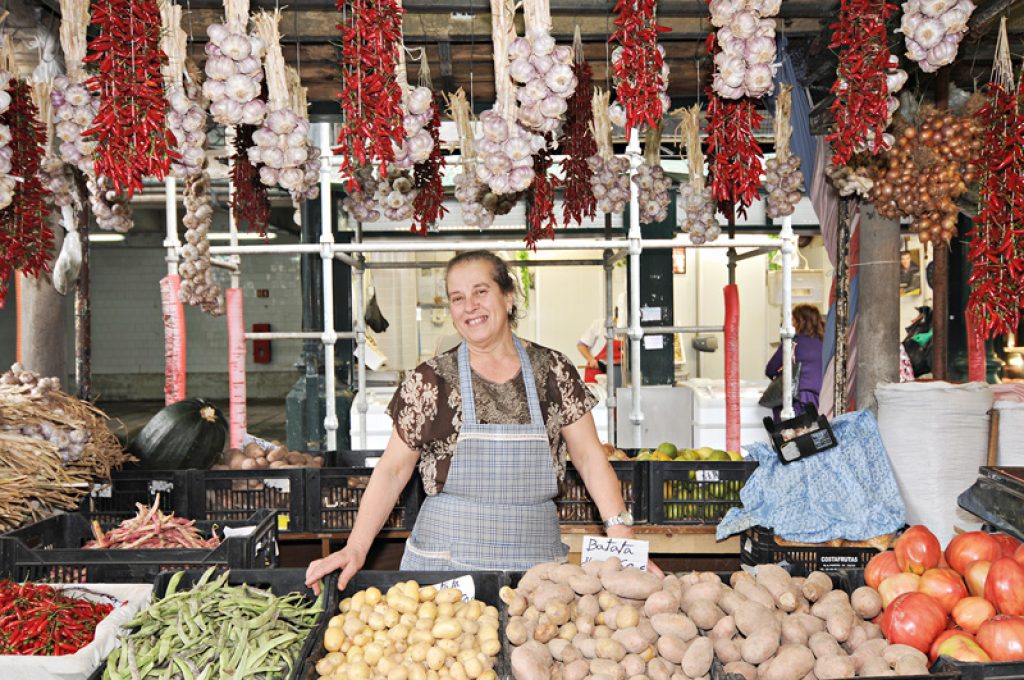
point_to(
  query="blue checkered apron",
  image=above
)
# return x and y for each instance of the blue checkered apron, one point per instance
(496, 509)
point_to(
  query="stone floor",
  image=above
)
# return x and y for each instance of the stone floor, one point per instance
(265, 418)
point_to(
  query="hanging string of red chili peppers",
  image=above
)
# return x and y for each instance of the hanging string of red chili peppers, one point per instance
(996, 251)
(578, 198)
(371, 99)
(639, 70)
(250, 204)
(25, 238)
(860, 110)
(133, 138)
(540, 201)
(429, 202)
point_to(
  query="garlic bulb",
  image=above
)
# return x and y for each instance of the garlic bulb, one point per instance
(74, 108)
(544, 73)
(507, 151)
(360, 202)
(697, 214)
(745, 64)
(282, 145)
(653, 192)
(198, 287)
(110, 208)
(784, 183)
(469, 192)
(610, 182)
(417, 144)
(396, 193)
(233, 76)
(850, 180)
(186, 120)
(57, 180)
(7, 183)
(933, 30)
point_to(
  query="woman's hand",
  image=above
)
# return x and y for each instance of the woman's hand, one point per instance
(622, 531)
(349, 559)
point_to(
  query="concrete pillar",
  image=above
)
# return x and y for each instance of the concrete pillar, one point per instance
(44, 322)
(878, 316)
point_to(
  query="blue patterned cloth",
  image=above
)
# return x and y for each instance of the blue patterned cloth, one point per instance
(846, 492)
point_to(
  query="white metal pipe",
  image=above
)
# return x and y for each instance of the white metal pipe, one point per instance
(659, 330)
(298, 335)
(348, 259)
(636, 416)
(609, 329)
(362, 405)
(224, 264)
(171, 241)
(787, 331)
(330, 335)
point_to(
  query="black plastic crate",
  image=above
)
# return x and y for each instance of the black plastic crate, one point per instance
(334, 492)
(575, 506)
(223, 495)
(115, 499)
(1005, 670)
(51, 551)
(937, 673)
(279, 582)
(487, 584)
(695, 492)
(758, 546)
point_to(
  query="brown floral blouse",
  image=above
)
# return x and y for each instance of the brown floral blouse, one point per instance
(427, 408)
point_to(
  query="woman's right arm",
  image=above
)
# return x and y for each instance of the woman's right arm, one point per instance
(389, 477)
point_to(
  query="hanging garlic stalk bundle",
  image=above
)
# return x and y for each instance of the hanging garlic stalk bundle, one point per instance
(309, 187)
(109, 206)
(282, 143)
(543, 71)
(610, 182)
(469, 192)
(745, 63)
(361, 203)
(198, 287)
(696, 203)
(396, 188)
(617, 112)
(7, 182)
(933, 30)
(783, 180)
(55, 175)
(234, 73)
(417, 144)
(654, 186)
(74, 106)
(187, 116)
(504, 146)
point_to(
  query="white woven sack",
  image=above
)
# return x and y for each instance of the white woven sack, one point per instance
(1011, 433)
(936, 435)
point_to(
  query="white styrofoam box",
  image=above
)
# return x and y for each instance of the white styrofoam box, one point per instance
(709, 402)
(714, 436)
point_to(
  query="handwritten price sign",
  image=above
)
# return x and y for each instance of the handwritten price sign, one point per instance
(631, 553)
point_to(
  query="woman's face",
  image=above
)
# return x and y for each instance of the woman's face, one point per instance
(478, 307)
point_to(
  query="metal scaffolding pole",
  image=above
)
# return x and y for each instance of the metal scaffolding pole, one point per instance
(636, 416)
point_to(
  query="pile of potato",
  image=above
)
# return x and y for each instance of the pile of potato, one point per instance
(603, 622)
(411, 633)
(276, 456)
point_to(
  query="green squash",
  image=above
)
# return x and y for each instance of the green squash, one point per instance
(188, 434)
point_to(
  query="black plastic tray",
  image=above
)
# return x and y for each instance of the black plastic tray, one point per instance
(278, 581)
(575, 506)
(334, 492)
(998, 498)
(234, 494)
(487, 583)
(51, 551)
(808, 444)
(758, 546)
(114, 500)
(695, 492)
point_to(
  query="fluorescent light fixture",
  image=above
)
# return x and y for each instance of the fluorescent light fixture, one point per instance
(106, 238)
(242, 236)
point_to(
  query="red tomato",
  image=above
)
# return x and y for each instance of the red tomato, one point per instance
(1018, 554)
(1004, 586)
(917, 550)
(896, 585)
(914, 619)
(880, 567)
(958, 645)
(1002, 637)
(945, 585)
(970, 612)
(972, 546)
(976, 575)
(1008, 543)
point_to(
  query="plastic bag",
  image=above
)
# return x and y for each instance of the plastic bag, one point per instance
(373, 317)
(772, 396)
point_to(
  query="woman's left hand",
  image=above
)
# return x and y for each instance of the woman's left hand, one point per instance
(620, 531)
(653, 568)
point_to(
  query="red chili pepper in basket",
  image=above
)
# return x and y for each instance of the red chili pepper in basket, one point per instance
(41, 620)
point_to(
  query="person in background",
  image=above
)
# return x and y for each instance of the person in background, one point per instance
(488, 424)
(594, 350)
(810, 329)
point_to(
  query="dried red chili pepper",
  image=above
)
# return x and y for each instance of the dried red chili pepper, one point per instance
(734, 156)
(371, 98)
(429, 202)
(250, 204)
(41, 620)
(578, 198)
(130, 126)
(25, 238)
(860, 108)
(639, 69)
(540, 200)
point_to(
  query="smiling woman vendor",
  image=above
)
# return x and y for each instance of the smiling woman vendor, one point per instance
(489, 424)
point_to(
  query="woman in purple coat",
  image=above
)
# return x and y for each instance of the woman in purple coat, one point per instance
(810, 329)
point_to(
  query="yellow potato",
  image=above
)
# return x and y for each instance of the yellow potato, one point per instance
(333, 638)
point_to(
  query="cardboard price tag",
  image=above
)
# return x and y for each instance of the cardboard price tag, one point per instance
(463, 583)
(631, 553)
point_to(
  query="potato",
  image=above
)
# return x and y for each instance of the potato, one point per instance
(866, 602)
(725, 627)
(249, 464)
(534, 576)
(252, 450)
(607, 668)
(516, 631)
(261, 462)
(752, 617)
(810, 623)
(791, 661)
(910, 665)
(869, 650)
(588, 606)
(632, 583)
(585, 625)
(704, 590)
(632, 639)
(875, 666)
(563, 573)
(705, 614)
(661, 602)
(893, 653)
(607, 600)
(587, 646)
(816, 585)
(557, 613)
(833, 667)
(647, 631)
(585, 584)
(626, 617)
(277, 454)
(830, 601)
(531, 661)
(673, 586)
(793, 632)
(671, 648)
(576, 670)
(558, 648)
(755, 592)
(602, 632)
(822, 644)
(659, 669)
(778, 582)
(674, 625)
(295, 458)
(840, 622)
(727, 649)
(697, 659)
(760, 646)
(545, 631)
(741, 668)
(610, 649)
(729, 601)
(609, 566)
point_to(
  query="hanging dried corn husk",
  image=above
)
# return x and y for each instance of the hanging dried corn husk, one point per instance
(610, 182)
(783, 180)
(696, 204)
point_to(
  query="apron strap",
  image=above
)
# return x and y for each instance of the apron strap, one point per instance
(466, 385)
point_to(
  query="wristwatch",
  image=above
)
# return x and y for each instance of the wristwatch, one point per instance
(624, 518)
